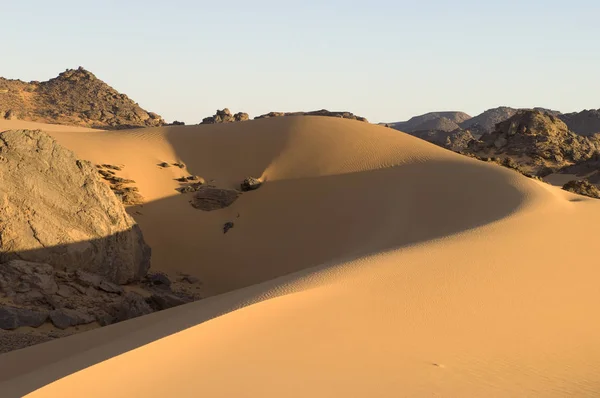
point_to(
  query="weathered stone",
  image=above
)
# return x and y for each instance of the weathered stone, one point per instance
(250, 184)
(78, 223)
(131, 306)
(12, 318)
(74, 97)
(164, 300)
(209, 198)
(227, 226)
(582, 187)
(64, 318)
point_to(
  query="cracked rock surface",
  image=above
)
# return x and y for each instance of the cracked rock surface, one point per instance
(54, 209)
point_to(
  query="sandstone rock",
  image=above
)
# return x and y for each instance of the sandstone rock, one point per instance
(209, 198)
(250, 184)
(55, 209)
(12, 318)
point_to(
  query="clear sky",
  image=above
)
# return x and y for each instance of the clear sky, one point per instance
(385, 60)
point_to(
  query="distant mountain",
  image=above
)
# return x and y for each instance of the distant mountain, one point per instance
(75, 97)
(586, 122)
(421, 122)
(486, 122)
(440, 124)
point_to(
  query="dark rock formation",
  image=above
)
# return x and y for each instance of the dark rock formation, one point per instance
(210, 198)
(227, 226)
(322, 112)
(586, 122)
(225, 116)
(537, 141)
(456, 140)
(250, 184)
(582, 187)
(56, 210)
(13, 318)
(431, 121)
(75, 97)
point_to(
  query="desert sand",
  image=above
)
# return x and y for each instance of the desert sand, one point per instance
(369, 264)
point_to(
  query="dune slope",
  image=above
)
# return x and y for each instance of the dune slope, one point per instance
(401, 269)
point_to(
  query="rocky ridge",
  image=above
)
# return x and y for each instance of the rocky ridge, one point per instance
(75, 97)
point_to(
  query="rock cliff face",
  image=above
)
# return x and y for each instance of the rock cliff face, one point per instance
(537, 140)
(586, 122)
(55, 209)
(75, 97)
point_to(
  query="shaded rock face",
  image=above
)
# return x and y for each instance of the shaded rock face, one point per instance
(586, 122)
(35, 293)
(322, 112)
(486, 122)
(582, 187)
(210, 198)
(457, 140)
(55, 209)
(225, 116)
(75, 97)
(448, 121)
(537, 140)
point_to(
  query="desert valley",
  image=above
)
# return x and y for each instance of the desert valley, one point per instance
(293, 254)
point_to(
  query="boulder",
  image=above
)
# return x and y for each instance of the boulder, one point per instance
(225, 116)
(210, 198)
(64, 318)
(54, 209)
(132, 305)
(250, 184)
(12, 318)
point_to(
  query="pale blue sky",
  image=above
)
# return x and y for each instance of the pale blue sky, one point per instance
(385, 60)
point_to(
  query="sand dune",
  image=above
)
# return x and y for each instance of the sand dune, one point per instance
(371, 263)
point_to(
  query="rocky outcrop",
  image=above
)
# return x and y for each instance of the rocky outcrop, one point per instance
(538, 141)
(457, 140)
(322, 112)
(211, 198)
(250, 184)
(582, 187)
(225, 116)
(486, 122)
(586, 122)
(431, 121)
(35, 293)
(75, 97)
(54, 209)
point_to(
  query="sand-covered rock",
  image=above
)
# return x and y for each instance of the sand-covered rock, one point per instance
(54, 209)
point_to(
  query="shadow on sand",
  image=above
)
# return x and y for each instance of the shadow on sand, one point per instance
(429, 207)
